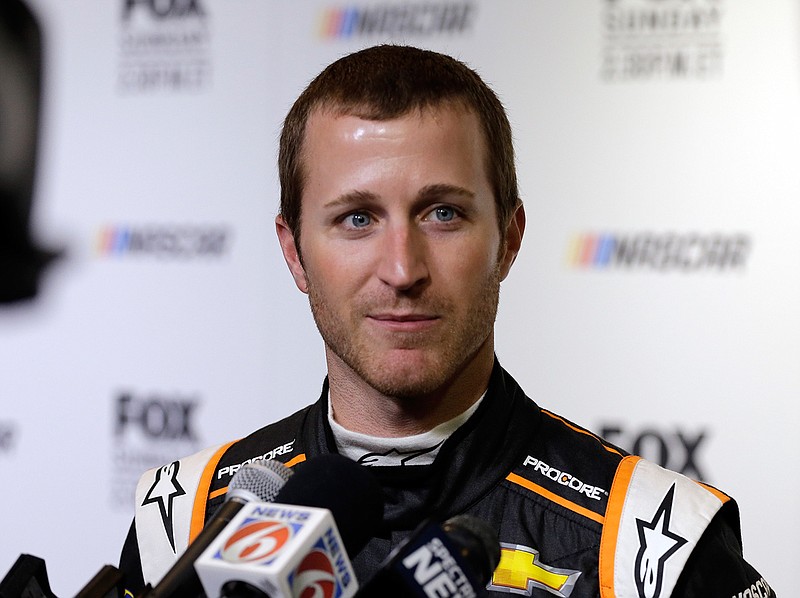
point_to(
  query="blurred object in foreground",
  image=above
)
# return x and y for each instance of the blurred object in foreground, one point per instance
(21, 262)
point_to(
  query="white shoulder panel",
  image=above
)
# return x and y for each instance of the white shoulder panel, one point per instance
(654, 520)
(165, 497)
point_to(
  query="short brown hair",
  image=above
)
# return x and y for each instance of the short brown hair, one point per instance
(389, 81)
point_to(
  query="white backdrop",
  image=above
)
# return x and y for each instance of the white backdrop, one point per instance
(666, 129)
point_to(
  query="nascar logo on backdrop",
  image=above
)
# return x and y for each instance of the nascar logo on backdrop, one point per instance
(666, 252)
(164, 46)
(661, 40)
(163, 241)
(423, 19)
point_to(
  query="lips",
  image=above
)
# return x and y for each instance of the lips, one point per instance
(402, 317)
(403, 322)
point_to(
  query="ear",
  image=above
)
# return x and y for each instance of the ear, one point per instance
(290, 253)
(514, 232)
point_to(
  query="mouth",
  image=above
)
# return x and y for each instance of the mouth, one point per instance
(403, 322)
(402, 317)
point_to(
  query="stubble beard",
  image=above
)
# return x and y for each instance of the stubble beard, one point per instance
(447, 352)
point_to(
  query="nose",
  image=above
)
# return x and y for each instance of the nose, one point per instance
(402, 263)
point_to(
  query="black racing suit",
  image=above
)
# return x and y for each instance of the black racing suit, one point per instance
(554, 492)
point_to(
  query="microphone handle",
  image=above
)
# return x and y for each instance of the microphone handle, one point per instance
(103, 584)
(27, 577)
(181, 579)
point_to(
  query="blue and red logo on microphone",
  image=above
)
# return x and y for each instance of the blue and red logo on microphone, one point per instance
(285, 550)
(314, 577)
(258, 541)
(325, 572)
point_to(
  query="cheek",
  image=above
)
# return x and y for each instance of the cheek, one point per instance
(475, 260)
(334, 272)
(469, 271)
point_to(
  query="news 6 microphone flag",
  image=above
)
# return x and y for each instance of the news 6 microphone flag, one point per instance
(282, 550)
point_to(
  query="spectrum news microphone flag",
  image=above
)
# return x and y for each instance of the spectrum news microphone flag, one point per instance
(453, 560)
(299, 544)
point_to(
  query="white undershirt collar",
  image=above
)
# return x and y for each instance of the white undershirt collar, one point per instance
(419, 449)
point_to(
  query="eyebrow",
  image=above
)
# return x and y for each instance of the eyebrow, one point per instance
(430, 192)
(351, 197)
(426, 194)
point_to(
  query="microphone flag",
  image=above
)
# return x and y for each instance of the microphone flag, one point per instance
(282, 550)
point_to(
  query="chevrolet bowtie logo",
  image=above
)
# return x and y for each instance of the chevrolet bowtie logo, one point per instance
(520, 571)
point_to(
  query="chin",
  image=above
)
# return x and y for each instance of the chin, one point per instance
(409, 380)
(405, 390)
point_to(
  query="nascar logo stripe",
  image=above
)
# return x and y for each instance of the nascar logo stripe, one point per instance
(338, 22)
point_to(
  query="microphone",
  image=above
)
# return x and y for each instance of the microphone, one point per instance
(259, 481)
(299, 545)
(454, 559)
(27, 577)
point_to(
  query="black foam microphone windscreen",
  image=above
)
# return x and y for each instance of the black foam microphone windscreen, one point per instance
(349, 491)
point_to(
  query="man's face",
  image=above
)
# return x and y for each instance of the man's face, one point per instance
(401, 250)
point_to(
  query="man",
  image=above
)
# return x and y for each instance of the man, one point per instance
(399, 219)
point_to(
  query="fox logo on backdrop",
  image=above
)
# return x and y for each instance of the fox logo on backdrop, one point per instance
(676, 449)
(164, 46)
(163, 9)
(149, 430)
(156, 417)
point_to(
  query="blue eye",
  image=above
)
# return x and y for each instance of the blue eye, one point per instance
(359, 219)
(444, 213)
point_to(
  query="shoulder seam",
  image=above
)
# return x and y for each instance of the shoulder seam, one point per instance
(580, 430)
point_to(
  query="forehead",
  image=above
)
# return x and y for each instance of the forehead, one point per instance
(445, 140)
(453, 111)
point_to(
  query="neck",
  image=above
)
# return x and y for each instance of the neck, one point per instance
(359, 407)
